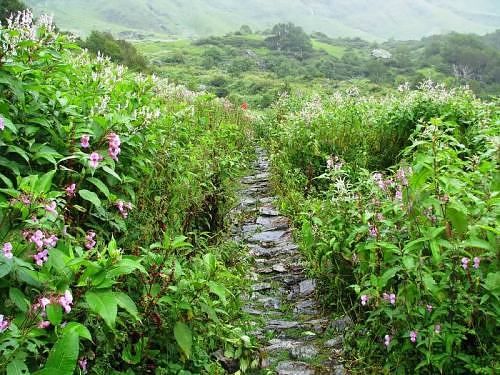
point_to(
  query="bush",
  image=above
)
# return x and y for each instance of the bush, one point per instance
(106, 179)
(409, 248)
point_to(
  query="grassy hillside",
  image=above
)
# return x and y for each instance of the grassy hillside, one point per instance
(380, 19)
(244, 68)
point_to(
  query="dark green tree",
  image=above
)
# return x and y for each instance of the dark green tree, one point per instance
(7, 7)
(119, 51)
(290, 39)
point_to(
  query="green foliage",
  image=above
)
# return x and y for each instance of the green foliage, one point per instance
(398, 220)
(120, 51)
(290, 39)
(9, 7)
(113, 187)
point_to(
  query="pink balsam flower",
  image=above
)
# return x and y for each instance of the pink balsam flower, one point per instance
(7, 250)
(84, 141)
(94, 159)
(4, 323)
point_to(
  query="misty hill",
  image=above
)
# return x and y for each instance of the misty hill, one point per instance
(369, 19)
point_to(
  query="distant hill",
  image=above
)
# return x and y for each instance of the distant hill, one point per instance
(369, 19)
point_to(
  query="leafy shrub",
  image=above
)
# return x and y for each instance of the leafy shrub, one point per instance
(409, 251)
(102, 173)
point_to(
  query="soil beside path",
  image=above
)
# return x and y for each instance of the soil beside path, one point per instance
(296, 338)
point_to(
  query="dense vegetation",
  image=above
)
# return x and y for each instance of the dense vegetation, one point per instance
(112, 189)
(256, 67)
(372, 20)
(116, 188)
(396, 204)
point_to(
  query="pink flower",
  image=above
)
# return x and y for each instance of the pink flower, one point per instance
(387, 340)
(51, 242)
(477, 261)
(44, 302)
(373, 230)
(114, 146)
(84, 141)
(41, 257)
(364, 299)
(66, 301)
(90, 240)
(380, 217)
(429, 308)
(379, 180)
(465, 263)
(94, 159)
(4, 324)
(413, 336)
(402, 176)
(399, 195)
(51, 207)
(437, 328)
(2, 123)
(124, 208)
(37, 238)
(70, 190)
(7, 250)
(44, 324)
(391, 298)
(82, 362)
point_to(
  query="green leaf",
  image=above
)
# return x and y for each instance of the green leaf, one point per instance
(210, 262)
(78, 328)
(17, 367)
(5, 269)
(125, 267)
(44, 183)
(19, 299)
(90, 196)
(104, 303)
(125, 302)
(112, 172)
(54, 313)
(219, 290)
(63, 356)
(184, 338)
(479, 244)
(100, 185)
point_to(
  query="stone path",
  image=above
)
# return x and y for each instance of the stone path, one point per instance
(295, 337)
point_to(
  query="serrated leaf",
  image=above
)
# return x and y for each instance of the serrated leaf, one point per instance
(63, 356)
(100, 185)
(17, 367)
(78, 328)
(90, 196)
(126, 303)
(104, 303)
(54, 313)
(19, 299)
(219, 290)
(184, 338)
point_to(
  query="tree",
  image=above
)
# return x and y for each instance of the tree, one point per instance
(245, 30)
(119, 51)
(7, 7)
(291, 39)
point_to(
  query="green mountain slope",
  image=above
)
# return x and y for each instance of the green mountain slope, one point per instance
(372, 19)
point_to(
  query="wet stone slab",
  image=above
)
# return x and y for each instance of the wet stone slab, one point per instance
(282, 299)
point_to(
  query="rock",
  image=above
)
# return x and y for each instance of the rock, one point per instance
(307, 287)
(279, 268)
(252, 311)
(307, 306)
(269, 236)
(317, 325)
(304, 352)
(335, 342)
(260, 177)
(268, 211)
(340, 325)
(338, 370)
(294, 368)
(273, 222)
(260, 287)
(251, 228)
(281, 324)
(270, 302)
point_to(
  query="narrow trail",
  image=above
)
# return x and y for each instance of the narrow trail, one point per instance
(295, 337)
